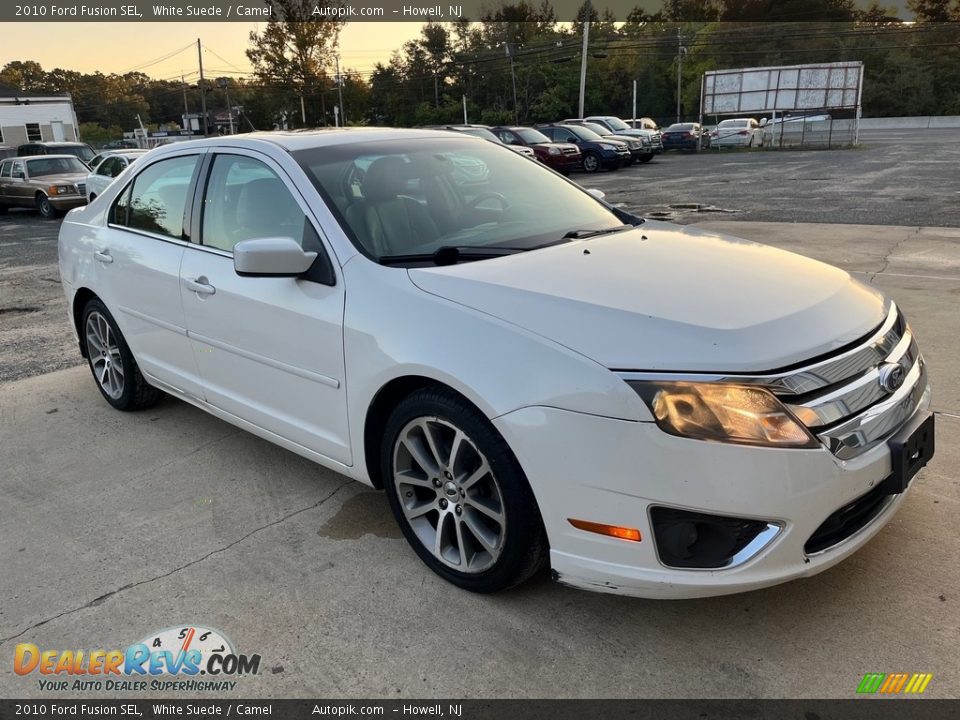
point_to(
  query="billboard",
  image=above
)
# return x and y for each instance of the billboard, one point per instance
(822, 86)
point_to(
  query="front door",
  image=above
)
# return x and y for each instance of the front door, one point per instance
(269, 349)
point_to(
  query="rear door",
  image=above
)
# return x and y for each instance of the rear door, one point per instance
(137, 258)
(269, 349)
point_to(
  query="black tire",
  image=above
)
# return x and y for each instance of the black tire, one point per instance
(591, 162)
(136, 393)
(646, 158)
(45, 208)
(522, 543)
(3, 209)
(93, 196)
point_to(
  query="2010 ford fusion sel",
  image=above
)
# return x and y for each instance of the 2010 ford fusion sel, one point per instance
(532, 375)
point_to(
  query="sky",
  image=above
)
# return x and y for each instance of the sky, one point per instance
(118, 47)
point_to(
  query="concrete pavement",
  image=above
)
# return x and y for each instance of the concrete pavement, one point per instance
(115, 525)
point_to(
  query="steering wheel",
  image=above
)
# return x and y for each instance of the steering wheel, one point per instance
(488, 196)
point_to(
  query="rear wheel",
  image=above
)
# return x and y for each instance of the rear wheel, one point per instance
(45, 207)
(591, 162)
(111, 362)
(459, 494)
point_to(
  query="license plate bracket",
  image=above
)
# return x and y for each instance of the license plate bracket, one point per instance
(910, 449)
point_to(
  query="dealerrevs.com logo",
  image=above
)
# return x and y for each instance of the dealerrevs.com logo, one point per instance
(186, 658)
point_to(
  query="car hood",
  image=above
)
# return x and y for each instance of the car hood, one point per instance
(564, 147)
(60, 179)
(662, 297)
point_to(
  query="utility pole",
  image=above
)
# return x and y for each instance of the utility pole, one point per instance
(203, 90)
(583, 57)
(465, 110)
(680, 51)
(225, 84)
(513, 77)
(343, 114)
(186, 108)
(634, 118)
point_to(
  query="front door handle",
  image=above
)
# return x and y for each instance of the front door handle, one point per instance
(103, 256)
(200, 285)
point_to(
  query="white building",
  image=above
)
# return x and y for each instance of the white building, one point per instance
(28, 118)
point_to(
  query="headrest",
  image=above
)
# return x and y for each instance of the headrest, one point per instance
(385, 179)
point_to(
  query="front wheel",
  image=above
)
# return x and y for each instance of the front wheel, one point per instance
(45, 207)
(111, 362)
(459, 494)
(591, 162)
(646, 158)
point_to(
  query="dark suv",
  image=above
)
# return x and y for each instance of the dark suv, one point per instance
(77, 149)
(598, 152)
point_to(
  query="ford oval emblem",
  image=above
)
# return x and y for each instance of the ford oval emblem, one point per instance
(892, 376)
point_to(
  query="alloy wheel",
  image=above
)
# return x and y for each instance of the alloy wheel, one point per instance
(104, 352)
(449, 494)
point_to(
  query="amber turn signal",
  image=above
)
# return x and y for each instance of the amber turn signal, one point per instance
(624, 533)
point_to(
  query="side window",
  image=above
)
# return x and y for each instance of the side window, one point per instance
(245, 199)
(18, 169)
(159, 196)
(5, 169)
(121, 166)
(106, 167)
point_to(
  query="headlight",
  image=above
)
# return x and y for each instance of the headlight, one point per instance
(608, 146)
(553, 150)
(723, 413)
(62, 190)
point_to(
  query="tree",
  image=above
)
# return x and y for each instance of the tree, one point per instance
(27, 76)
(295, 51)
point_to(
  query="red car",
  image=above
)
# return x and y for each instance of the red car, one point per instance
(562, 157)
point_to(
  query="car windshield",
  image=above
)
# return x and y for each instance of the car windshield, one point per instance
(584, 133)
(81, 151)
(734, 123)
(617, 123)
(534, 137)
(407, 197)
(680, 127)
(481, 133)
(596, 128)
(55, 166)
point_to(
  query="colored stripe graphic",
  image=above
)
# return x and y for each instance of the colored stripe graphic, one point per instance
(894, 683)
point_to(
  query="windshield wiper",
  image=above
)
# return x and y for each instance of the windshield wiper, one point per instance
(581, 234)
(451, 255)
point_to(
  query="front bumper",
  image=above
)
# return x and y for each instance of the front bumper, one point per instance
(66, 202)
(624, 468)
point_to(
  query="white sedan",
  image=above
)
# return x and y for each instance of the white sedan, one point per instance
(534, 377)
(739, 132)
(109, 166)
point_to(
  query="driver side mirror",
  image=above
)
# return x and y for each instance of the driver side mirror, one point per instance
(598, 194)
(271, 257)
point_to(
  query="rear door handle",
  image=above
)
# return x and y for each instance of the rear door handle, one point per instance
(103, 256)
(200, 285)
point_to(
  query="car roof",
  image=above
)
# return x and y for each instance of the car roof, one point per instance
(293, 140)
(54, 143)
(45, 157)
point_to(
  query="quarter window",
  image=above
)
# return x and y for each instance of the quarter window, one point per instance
(245, 199)
(5, 170)
(158, 198)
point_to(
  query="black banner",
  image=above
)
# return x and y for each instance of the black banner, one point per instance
(854, 709)
(348, 10)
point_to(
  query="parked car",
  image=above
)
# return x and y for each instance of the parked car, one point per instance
(94, 163)
(562, 157)
(106, 170)
(51, 183)
(77, 149)
(620, 127)
(483, 131)
(640, 150)
(685, 136)
(597, 152)
(643, 123)
(124, 144)
(533, 383)
(738, 132)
